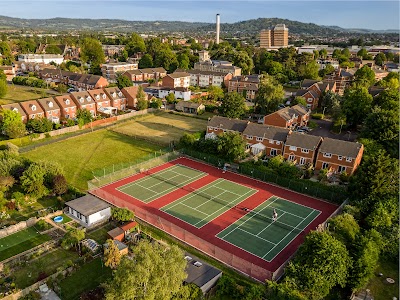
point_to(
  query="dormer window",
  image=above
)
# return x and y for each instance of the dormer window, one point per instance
(67, 101)
(50, 104)
(15, 109)
(97, 97)
(104, 96)
(88, 98)
(114, 94)
(349, 159)
(120, 94)
(33, 107)
(81, 99)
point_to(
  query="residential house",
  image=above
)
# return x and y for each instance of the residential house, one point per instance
(263, 139)
(301, 148)
(67, 106)
(111, 50)
(118, 99)
(41, 58)
(343, 78)
(312, 91)
(218, 125)
(134, 75)
(87, 81)
(51, 109)
(88, 210)
(20, 66)
(190, 107)
(289, 117)
(17, 108)
(208, 78)
(100, 98)
(206, 64)
(339, 156)
(180, 93)
(246, 85)
(110, 71)
(83, 100)
(9, 71)
(312, 98)
(32, 109)
(145, 74)
(130, 94)
(177, 79)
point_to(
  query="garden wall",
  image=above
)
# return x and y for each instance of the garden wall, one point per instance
(17, 227)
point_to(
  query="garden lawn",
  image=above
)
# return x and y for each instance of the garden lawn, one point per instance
(87, 278)
(380, 289)
(17, 93)
(100, 234)
(81, 155)
(21, 241)
(161, 128)
(47, 264)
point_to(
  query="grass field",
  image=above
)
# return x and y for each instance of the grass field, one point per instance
(208, 202)
(88, 277)
(20, 242)
(47, 263)
(258, 234)
(161, 128)
(100, 234)
(80, 155)
(17, 93)
(154, 186)
(380, 289)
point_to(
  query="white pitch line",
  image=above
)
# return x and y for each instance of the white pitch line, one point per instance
(287, 212)
(259, 237)
(212, 198)
(289, 233)
(270, 224)
(191, 208)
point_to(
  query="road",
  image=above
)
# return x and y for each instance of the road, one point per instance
(323, 130)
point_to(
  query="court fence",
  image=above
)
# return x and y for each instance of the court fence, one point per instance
(118, 171)
(230, 259)
(333, 194)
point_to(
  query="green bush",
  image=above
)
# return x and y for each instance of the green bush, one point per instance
(317, 116)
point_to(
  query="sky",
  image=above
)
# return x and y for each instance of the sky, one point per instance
(377, 15)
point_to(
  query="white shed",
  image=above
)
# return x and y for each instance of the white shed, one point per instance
(89, 210)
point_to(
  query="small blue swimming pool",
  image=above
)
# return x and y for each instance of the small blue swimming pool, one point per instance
(58, 219)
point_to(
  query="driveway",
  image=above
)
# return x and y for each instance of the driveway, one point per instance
(323, 130)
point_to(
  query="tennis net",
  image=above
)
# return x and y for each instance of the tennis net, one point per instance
(278, 223)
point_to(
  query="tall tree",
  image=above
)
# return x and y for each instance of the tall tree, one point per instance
(183, 61)
(146, 61)
(12, 124)
(309, 70)
(321, 263)
(233, 105)
(122, 214)
(242, 60)
(365, 75)
(231, 145)
(123, 81)
(166, 58)
(270, 94)
(142, 102)
(135, 44)
(53, 49)
(112, 256)
(357, 104)
(92, 52)
(32, 180)
(388, 99)
(72, 237)
(156, 273)
(380, 59)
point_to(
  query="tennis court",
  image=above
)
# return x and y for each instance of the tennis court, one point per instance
(157, 184)
(258, 234)
(208, 202)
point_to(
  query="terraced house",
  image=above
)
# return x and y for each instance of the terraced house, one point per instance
(100, 98)
(218, 125)
(84, 101)
(289, 117)
(32, 109)
(68, 107)
(301, 149)
(118, 99)
(51, 109)
(17, 108)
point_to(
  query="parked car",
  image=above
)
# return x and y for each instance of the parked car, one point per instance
(305, 128)
(70, 90)
(300, 131)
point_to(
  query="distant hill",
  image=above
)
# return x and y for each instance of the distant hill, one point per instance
(245, 27)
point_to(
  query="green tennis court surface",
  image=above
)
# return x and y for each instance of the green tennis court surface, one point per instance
(208, 202)
(258, 234)
(158, 184)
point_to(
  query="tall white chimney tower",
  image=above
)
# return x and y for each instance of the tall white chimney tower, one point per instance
(217, 39)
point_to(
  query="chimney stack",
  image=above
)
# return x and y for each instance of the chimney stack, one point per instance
(217, 29)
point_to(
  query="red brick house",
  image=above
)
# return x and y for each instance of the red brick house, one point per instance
(245, 84)
(263, 139)
(84, 101)
(130, 94)
(301, 148)
(67, 106)
(218, 125)
(51, 109)
(118, 99)
(100, 98)
(288, 117)
(133, 75)
(177, 79)
(312, 91)
(32, 109)
(17, 108)
(145, 74)
(342, 78)
(339, 156)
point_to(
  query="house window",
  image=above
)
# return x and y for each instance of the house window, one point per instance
(349, 159)
(304, 150)
(340, 157)
(278, 143)
(325, 165)
(67, 102)
(293, 148)
(291, 157)
(249, 137)
(215, 129)
(33, 107)
(248, 146)
(259, 139)
(341, 169)
(271, 141)
(328, 155)
(302, 161)
(84, 219)
(273, 152)
(309, 100)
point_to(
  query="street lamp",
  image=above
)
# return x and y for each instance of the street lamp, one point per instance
(323, 112)
(341, 125)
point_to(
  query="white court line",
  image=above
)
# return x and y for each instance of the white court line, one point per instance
(288, 212)
(229, 203)
(269, 224)
(290, 233)
(192, 208)
(161, 181)
(229, 191)
(259, 237)
(212, 198)
(250, 216)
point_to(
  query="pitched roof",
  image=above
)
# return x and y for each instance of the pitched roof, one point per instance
(304, 141)
(159, 70)
(129, 225)
(179, 74)
(48, 104)
(82, 98)
(287, 112)
(200, 275)
(187, 104)
(114, 92)
(308, 83)
(254, 78)
(130, 91)
(339, 147)
(228, 124)
(31, 107)
(134, 72)
(15, 107)
(88, 205)
(63, 99)
(268, 132)
(213, 73)
(99, 93)
(115, 232)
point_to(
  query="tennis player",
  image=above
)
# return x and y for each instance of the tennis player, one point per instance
(274, 216)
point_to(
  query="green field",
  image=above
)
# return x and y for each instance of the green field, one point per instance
(258, 234)
(81, 155)
(380, 289)
(46, 264)
(100, 234)
(21, 241)
(18, 93)
(87, 278)
(158, 184)
(161, 128)
(208, 202)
